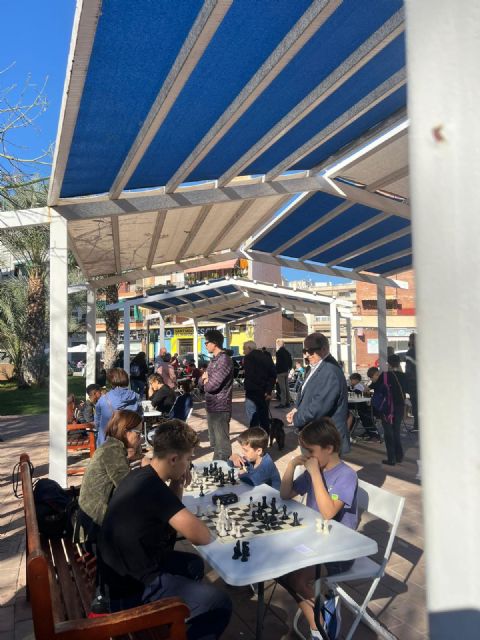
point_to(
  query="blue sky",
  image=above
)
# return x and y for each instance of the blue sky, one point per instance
(35, 44)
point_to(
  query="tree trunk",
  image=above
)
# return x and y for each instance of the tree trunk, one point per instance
(34, 359)
(111, 327)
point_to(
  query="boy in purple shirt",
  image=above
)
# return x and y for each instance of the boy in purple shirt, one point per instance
(331, 488)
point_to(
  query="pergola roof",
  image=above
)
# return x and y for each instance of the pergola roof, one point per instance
(209, 129)
(233, 300)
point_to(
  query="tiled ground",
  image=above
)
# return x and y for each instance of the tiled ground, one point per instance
(399, 602)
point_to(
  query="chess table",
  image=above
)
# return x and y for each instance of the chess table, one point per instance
(272, 556)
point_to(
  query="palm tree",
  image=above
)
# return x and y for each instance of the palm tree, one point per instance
(13, 306)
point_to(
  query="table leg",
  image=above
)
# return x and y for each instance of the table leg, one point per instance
(318, 602)
(260, 610)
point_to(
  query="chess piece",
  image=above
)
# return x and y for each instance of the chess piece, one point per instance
(246, 548)
(267, 524)
(296, 522)
(250, 504)
(215, 466)
(326, 528)
(205, 472)
(238, 531)
(254, 516)
(284, 515)
(201, 491)
(273, 506)
(217, 502)
(319, 525)
(223, 532)
(236, 551)
(264, 502)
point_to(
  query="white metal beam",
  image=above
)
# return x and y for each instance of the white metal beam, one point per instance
(126, 338)
(372, 245)
(57, 417)
(192, 234)
(345, 236)
(116, 243)
(382, 327)
(328, 217)
(201, 33)
(351, 115)
(83, 35)
(318, 13)
(311, 267)
(91, 336)
(24, 218)
(356, 61)
(157, 232)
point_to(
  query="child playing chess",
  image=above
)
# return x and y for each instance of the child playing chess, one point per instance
(331, 488)
(258, 465)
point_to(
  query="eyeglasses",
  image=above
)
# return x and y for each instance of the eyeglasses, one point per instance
(309, 351)
(139, 432)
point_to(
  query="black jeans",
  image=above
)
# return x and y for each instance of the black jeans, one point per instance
(391, 433)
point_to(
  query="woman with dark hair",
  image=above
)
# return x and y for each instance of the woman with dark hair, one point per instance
(109, 465)
(138, 373)
(119, 397)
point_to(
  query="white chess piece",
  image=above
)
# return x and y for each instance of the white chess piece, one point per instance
(319, 522)
(326, 528)
(222, 533)
(238, 531)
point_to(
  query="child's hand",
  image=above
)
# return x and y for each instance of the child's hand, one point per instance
(290, 415)
(312, 466)
(237, 460)
(299, 461)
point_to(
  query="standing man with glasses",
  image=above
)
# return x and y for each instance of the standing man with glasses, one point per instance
(324, 391)
(217, 382)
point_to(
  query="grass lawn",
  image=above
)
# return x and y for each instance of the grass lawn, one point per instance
(24, 402)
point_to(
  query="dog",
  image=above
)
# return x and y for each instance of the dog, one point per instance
(277, 433)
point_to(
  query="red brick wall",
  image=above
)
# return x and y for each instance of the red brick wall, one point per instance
(405, 298)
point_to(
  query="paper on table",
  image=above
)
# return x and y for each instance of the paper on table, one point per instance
(303, 549)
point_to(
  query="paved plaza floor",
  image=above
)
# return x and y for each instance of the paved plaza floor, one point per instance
(399, 602)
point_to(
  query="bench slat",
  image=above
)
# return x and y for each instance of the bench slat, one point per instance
(58, 606)
(85, 585)
(66, 583)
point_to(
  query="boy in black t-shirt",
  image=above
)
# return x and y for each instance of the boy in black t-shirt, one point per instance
(138, 534)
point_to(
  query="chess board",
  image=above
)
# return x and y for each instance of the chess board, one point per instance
(241, 515)
(210, 484)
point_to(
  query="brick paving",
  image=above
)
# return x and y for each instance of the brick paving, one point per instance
(399, 602)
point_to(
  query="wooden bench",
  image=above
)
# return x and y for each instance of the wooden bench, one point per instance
(80, 438)
(61, 584)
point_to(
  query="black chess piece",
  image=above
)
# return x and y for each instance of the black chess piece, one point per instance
(201, 491)
(237, 551)
(267, 524)
(273, 506)
(295, 523)
(215, 465)
(284, 515)
(244, 557)
(264, 502)
(254, 516)
(246, 547)
(205, 471)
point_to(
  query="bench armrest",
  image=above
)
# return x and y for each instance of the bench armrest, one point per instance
(169, 611)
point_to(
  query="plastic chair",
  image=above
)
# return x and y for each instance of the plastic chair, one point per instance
(385, 506)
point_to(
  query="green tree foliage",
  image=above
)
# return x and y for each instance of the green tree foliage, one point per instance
(13, 322)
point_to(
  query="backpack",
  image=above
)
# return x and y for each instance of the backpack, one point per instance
(55, 508)
(331, 615)
(382, 400)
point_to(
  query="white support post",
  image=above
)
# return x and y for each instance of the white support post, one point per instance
(333, 329)
(309, 320)
(195, 342)
(338, 355)
(91, 336)
(382, 327)
(228, 336)
(126, 338)
(348, 322)
(161, 331)
(58, 350)
(444, 150)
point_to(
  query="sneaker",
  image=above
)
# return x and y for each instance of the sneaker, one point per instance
(100, 606)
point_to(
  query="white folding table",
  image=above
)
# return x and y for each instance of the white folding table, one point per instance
(279, 553)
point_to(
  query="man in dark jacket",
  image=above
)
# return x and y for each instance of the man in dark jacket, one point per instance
(283, 364)
(260, 377)
(324, 391)
(217, 382)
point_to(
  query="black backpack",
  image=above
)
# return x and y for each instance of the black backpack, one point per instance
(55, 508)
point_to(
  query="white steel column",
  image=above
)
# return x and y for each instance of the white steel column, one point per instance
(309, 320)
(444, 149)
(126, 338)
(91, 336)
(161, 331)
(333, 329)
(339, 337)
(382, 326)
(349, 346)
(195, 342)
(58, 350)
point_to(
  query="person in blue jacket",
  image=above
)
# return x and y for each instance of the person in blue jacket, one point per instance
(119, 397)
(257, 467)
